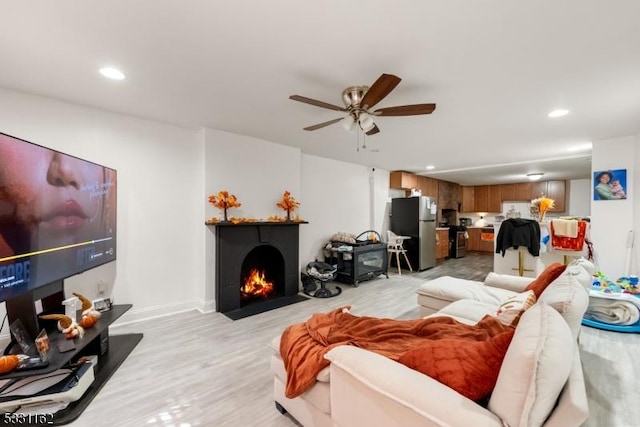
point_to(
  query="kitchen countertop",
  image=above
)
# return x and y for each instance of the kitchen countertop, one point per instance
(442, 228)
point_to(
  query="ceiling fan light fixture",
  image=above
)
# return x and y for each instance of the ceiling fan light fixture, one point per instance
(534, 176)
(366, 122)
(347, 123)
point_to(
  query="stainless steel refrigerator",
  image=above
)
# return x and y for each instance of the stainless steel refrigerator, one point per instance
(416, 217)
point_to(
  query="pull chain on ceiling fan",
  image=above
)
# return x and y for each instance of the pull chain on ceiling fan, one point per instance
(359, 99)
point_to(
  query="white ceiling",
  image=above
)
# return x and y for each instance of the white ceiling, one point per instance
(494, 69)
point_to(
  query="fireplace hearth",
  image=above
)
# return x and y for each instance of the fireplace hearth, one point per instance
(257, 267)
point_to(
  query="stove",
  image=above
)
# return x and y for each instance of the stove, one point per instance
(457, 241)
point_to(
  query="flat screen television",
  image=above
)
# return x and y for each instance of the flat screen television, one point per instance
(57, 219)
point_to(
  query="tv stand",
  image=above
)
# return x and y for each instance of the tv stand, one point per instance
(111, 350)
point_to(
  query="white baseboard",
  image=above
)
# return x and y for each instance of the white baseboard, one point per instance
(147, 313)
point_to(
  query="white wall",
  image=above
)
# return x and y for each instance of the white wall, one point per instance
(337, 195)
(611, 220)
(258, 172)
(579, 197)
(160, 265)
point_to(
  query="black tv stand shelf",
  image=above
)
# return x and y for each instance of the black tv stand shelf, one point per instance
(111, 350)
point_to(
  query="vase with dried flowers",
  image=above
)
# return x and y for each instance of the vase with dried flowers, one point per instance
(540, 206)
(223, 200)
(288, 203)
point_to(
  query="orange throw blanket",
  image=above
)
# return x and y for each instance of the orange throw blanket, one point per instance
(303, 345)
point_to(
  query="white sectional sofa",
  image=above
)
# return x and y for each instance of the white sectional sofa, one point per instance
(540, 382)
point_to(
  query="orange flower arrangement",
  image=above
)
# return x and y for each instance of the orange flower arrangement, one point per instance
(288, 203)
(540, 206)
(224, 201)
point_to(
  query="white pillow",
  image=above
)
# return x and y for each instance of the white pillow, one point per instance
(535, 368)
(569, 298)
(511, 309)
(580, 273)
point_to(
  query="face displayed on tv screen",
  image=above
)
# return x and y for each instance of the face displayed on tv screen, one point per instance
(57, 215)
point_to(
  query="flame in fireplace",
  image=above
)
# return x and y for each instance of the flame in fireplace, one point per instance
(256, 286)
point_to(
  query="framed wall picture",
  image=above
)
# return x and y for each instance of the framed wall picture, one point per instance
(610, 185)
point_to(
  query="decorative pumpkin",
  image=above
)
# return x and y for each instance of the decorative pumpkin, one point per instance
(66, 325)
(10, 362)
(90, 315)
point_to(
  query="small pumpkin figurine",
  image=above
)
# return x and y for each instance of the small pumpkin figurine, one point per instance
(10, 362)
(66, 325)
(90, 315)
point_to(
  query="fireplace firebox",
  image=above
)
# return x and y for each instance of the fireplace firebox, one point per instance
(257, 267)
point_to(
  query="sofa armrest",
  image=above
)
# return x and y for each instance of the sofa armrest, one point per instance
(506, 281)
(370, 389)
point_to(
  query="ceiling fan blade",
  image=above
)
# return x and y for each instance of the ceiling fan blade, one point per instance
(321, 125)
(374, 130)
(406, 110)
(316, 103)
(380, 88)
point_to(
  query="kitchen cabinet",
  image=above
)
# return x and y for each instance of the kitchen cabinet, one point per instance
(468, 195)
(556, 190)
(442, 243)
(538, 188)
(481, 202)
(508, 193)
(486, 240)
(523, 192)
(473, 243)
(495, 198)
(428, 186)
(480, 239)
(405, 180)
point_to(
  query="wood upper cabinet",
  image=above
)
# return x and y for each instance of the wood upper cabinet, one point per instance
(428, 186)
(468, 196)
(508, 192)
(481, 202)
(538, 188)
(495, 198)
(523, 192)
(557, 191)
(406, 180)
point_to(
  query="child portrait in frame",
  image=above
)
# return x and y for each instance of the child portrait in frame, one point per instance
(610, 184)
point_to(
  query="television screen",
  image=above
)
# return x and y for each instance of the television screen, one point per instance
(57, 216)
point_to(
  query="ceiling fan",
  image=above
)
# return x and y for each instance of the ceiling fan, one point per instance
(358, 101)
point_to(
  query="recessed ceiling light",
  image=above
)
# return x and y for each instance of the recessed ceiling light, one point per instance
(112, 73)
(429, 167)
(534, 176)
(581, 147)
(558, 113)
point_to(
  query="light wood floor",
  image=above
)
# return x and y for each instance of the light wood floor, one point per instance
(194, 369)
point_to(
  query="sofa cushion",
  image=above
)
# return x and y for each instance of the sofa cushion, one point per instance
(507, 281)
(451, 289)
(581, 270)
(568, 297)
(545, 278)
(467, 311)
(535, 368)
(469, 367)
(509, 312)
